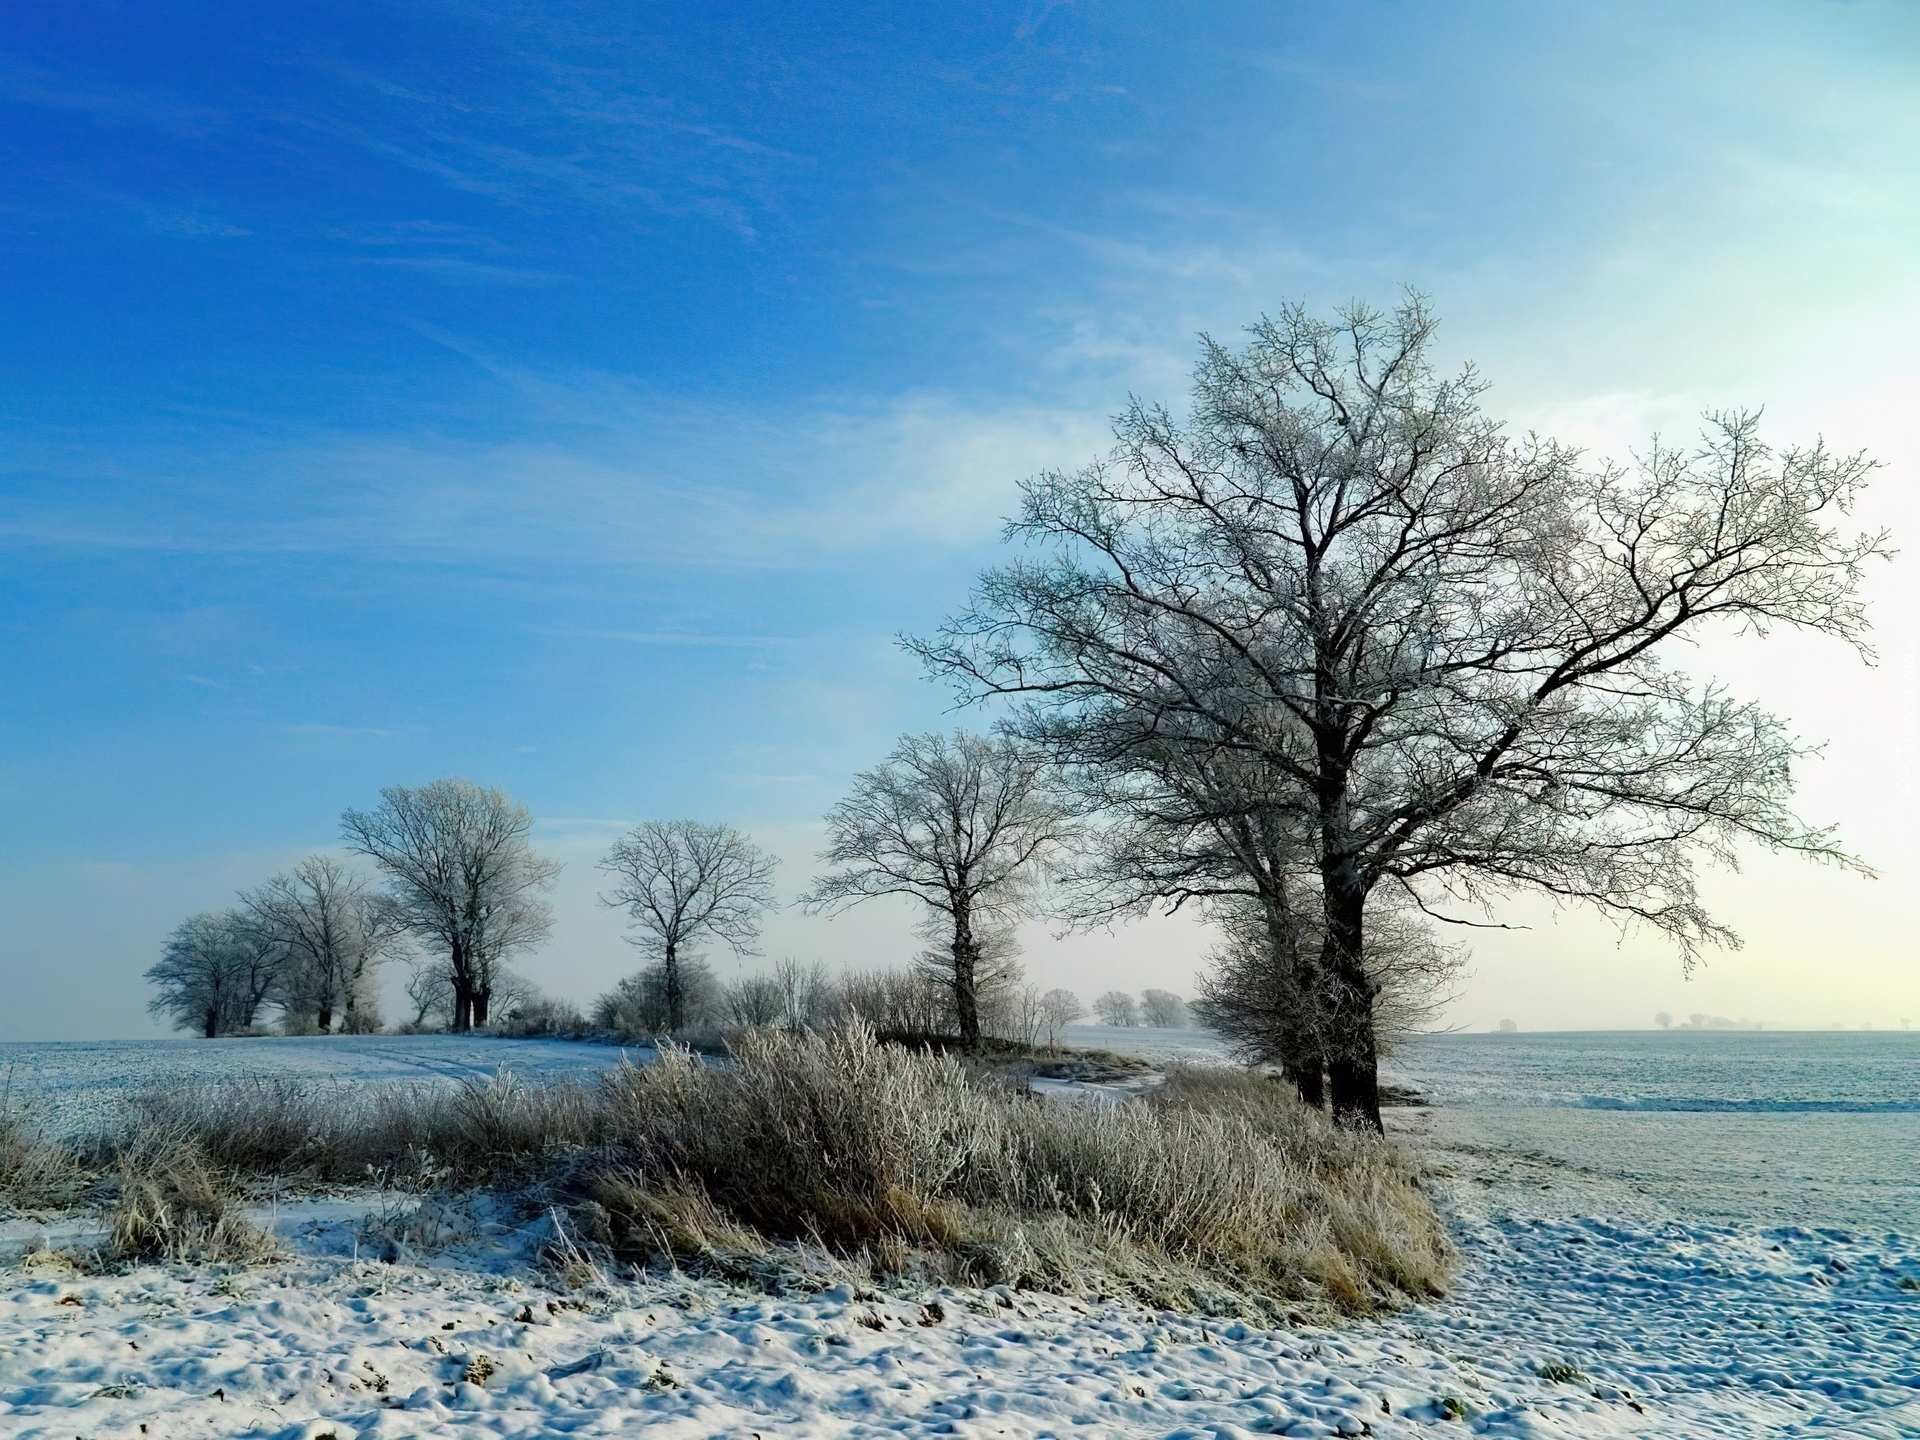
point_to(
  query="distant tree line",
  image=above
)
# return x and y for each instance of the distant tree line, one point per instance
(455, 890)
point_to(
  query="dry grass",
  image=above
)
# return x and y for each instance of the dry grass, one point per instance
(502, 1132)
(174, 1205)
(813, 1157)
(36, 1173)
(1220, 1188)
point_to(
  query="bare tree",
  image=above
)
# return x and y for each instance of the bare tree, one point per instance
(1163, 1009)
(215, 973)
(1117, 1007)
(336, 932)
(906, 1004)
(1015, 1013)
(684, 883)
(1059, 1009)
(1665, 1020)
(464, 878)
(1449, 642)
(755, 1001)
(808, 997)
(959, 824)
(429, 990)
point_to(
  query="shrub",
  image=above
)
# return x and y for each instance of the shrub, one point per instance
(35, 1172)
(537, 1015)
(637, 1005)
(174, 1205)
(1219, 1188)
(497, 1132)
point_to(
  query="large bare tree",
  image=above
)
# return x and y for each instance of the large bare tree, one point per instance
(683, 884)
(215, 973)
(1450, 642)
(464, 877)
(336, 931)
(960, 824)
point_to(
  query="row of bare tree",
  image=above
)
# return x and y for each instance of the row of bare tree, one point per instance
(461, 897)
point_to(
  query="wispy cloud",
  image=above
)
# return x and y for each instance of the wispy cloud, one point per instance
(103, 101)
(704, 488)
(346, 732)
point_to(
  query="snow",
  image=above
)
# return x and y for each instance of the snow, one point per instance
(78, 1086)
(1674, 1332)
(1595, 1298)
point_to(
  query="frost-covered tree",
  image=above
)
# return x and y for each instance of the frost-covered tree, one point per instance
(1247, 994)
(215, 973)
(464, 878)
(684, 884)
(961, 825)
(755, 1001)
(335, 932)
(1163, 1009)
(1117, 1007)
(1059, 1008)
(1450, 643)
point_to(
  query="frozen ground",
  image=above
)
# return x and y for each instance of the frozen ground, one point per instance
(1590, 1266)
(78, 1086)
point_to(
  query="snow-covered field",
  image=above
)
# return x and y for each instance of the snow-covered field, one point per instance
(77, 1086)
(1568, 1320)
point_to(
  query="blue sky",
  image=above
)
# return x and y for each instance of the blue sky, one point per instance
(580, 398)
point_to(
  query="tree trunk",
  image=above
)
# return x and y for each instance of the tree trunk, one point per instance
(462, 978)
(1303, 1061)
(213, 1023)
(676, 996)
(326, 1017)
(1352, 1061)
(479, 1001)
(966, 954)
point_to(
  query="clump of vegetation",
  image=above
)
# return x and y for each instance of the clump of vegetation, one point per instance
(36, 1173)
(419, 1136)
(175, 1205)
(1220, 1191)
(817, 1153)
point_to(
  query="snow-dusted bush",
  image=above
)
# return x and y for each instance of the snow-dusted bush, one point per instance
(1219, 1191)
(638, 1005)
(173, 1204)
(35, 1172)
(537, 1014)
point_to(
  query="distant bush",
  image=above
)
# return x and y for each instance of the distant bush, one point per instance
(541, 1015)
(637, 1005)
